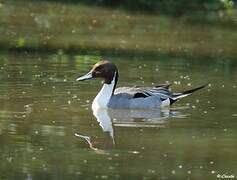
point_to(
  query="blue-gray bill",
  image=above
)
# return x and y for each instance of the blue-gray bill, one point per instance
(85, 77)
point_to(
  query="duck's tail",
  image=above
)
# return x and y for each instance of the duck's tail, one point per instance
(179, 95)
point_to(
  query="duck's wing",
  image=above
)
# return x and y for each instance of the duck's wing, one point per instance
(161, 92)
(143, 92)
(167, 86)
(138, 97)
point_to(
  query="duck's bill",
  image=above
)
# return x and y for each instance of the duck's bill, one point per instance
(85, 77)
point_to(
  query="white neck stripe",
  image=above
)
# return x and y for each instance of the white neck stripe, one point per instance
(103, 97)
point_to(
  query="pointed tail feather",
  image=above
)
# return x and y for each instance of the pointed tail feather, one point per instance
(177, 96)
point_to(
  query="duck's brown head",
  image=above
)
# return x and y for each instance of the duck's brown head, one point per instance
(103, 69)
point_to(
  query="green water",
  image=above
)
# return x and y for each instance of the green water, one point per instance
(42, 107)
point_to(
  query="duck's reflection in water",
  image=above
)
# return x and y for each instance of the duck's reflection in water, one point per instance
(110, 118)
(105, 142)
(98, 144)
(143, 118)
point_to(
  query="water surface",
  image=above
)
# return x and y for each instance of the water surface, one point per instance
(42, 107)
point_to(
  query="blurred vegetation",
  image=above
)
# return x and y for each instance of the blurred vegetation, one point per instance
(168, 7)
(193, 28)
(194, 11)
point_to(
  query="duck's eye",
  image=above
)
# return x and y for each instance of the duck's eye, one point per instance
(97, 73)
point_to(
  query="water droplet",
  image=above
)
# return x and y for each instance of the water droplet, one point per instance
(111, 168)
(151, 171)
(135, 152)
(94, 21)
(173, 171)
(180, 166)
(123, 41)
(104, 176)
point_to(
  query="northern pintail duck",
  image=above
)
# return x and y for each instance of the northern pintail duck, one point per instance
(129, 97)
